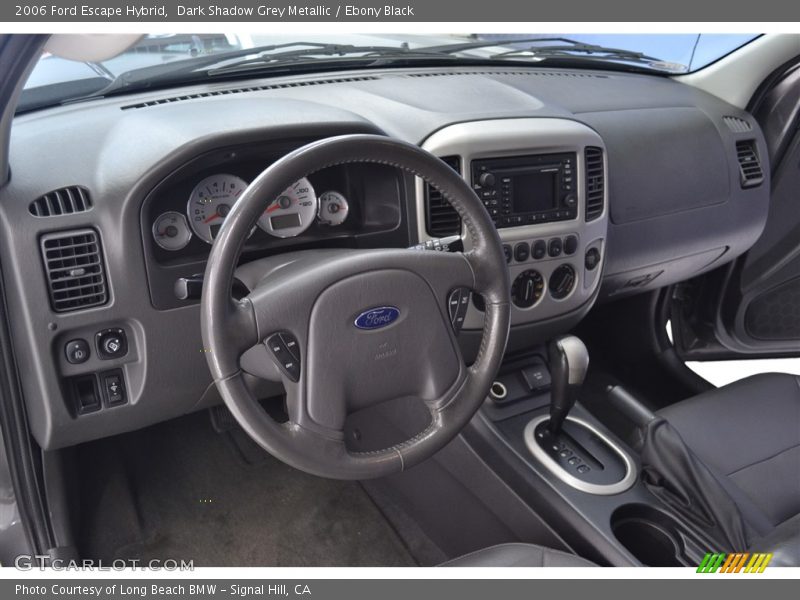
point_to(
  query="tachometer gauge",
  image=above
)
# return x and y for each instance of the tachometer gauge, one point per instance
(333, 208)
(210, 202)
(171, 231)
(292, 212)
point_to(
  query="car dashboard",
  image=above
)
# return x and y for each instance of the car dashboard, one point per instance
(600, 184)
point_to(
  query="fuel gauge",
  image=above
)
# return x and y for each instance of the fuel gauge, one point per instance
(171, 231)
(333, 208)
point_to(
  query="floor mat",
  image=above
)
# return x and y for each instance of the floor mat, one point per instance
(179, 490)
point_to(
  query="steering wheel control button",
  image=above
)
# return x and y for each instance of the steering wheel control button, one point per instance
(291, 345)
(457, 305)
(592, 259)
(554, 247)
(527, 288)
(285, 349)
(113, 387)
(111, 343)
(77, 351)
(539, 249)
(571, 245)
(521, 252)
(562, 282)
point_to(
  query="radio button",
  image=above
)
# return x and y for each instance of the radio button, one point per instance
(538, 249)
(570, 200)
(521, 252)
(554, 247)
(571, 245)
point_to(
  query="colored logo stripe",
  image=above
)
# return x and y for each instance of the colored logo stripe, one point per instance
(734, 563)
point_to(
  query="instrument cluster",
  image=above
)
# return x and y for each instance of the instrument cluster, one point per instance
(212, 198)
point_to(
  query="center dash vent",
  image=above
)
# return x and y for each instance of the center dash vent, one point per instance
(750, 172)
(242, 90)
(64, 201)
(442, 218)
(73, 264)
(595, 182)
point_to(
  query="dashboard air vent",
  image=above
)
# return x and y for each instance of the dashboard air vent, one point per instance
(73, 264)
(750, 172)
(64, 201)
(737, 125)
(255, 88)
(595, 182)
(442, 219)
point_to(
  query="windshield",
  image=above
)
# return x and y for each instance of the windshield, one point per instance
(160, 60)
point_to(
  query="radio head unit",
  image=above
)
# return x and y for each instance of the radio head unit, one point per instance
(523, 190)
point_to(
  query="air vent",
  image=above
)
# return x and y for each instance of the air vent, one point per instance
(443, 220)
(73, 263)
(256, 88)
(737, 125)
(595, 182)
(65, 201)
(750, 172)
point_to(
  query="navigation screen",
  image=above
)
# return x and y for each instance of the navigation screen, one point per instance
(535, 191)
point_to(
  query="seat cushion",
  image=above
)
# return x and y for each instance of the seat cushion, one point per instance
(749, 433)
(518, 555)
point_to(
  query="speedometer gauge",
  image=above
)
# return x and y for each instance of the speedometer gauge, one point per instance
(292, 212)
(210, 202)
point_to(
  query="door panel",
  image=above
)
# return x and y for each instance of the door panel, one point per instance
(752, 306)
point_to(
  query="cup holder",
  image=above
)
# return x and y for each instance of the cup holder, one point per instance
(652, 536)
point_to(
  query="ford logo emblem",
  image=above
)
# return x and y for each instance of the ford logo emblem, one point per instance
(377, 317)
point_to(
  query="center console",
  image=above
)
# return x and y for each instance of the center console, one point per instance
(571, 469)
(542, 182)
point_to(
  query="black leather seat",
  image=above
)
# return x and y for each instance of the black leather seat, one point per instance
(518, 555)
(748, 434)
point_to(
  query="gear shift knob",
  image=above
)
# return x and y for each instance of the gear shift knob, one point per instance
(569, 361)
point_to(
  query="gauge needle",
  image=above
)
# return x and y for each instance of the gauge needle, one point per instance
(273, 207)
(211, 218)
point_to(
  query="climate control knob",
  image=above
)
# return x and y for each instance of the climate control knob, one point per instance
(562, 281)
(527, 288)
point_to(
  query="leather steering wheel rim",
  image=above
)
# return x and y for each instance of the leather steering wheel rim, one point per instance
(312, 440)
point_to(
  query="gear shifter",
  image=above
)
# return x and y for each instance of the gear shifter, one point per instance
(569, 361)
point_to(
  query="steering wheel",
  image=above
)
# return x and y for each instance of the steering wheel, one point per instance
(367, 326)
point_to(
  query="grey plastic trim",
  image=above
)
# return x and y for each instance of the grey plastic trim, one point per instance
(518, 137)
(590, 488)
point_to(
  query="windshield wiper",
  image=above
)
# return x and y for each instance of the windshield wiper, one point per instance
(558, 47)
(267, 57)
